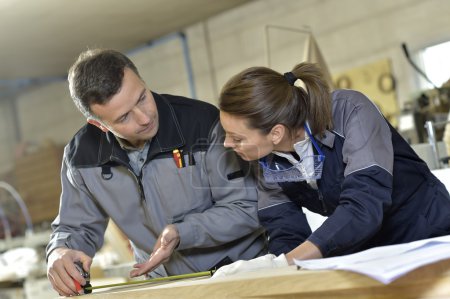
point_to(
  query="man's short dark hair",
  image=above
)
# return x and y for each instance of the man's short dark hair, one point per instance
(96, 76)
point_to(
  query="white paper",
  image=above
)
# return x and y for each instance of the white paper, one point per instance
(386, 263)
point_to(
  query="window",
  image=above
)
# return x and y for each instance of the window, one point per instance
(436, 63)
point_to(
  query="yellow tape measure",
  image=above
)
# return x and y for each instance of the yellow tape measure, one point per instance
(156, 279)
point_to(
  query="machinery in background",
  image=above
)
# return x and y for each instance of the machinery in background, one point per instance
(422, 121)
(431, 105)
(13, 225)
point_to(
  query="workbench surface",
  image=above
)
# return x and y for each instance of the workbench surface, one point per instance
(431, 281)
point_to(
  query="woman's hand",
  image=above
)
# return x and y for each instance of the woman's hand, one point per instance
(267, 261)
(304, 251)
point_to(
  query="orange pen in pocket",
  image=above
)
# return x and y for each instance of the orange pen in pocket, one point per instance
(178, 158)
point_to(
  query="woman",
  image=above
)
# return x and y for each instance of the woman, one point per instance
(334, 154)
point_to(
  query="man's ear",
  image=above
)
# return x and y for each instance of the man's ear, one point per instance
(277, 133)
(97, 124)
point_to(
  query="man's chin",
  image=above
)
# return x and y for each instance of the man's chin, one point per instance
(147, 136)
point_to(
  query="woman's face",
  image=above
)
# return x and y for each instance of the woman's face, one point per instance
(249, 144)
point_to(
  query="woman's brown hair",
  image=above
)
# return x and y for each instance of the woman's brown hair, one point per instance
(265, 98)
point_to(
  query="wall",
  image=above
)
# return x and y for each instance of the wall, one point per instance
(350, 33)
(7, 133)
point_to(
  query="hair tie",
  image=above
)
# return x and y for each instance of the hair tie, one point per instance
(290, 77)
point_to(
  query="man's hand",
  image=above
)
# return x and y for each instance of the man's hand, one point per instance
(263, 262)
(61, 270)
(165, 245)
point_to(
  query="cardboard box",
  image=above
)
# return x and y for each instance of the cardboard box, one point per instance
(38, 181)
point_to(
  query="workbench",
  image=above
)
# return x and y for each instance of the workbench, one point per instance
(431, 281)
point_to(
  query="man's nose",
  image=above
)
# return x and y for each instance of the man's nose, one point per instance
(141, 117)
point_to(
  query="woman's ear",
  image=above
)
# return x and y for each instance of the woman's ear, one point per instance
(97, 124)
(277, 133)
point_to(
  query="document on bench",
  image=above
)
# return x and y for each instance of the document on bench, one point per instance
(386, 263)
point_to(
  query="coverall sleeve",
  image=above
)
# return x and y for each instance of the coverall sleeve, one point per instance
(286, 226)
(234, 211)
(367, 187)
(284, 221)
(80, 223)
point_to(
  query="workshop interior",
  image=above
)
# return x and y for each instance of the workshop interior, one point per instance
(395, 52)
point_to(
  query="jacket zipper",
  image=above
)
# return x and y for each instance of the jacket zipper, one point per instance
(322, 202)
(141, 187)
(142, 197)
(137, 178)
(143, 200)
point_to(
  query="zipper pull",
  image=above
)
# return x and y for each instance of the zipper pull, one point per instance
(324, 207)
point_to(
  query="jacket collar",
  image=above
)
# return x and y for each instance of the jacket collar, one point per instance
(327, 138)
(168, 137)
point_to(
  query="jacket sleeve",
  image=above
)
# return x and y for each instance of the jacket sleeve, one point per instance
(365, 196)
(284, 221)
(286, 226)
(80, 223)
(234, 211)
(367, 187)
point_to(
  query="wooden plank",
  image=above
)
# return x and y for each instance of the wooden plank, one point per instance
(38, 181)
(431, 281)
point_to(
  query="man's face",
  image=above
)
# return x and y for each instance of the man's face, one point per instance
(131, 114)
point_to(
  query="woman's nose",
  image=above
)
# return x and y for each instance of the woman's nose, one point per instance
(227, 143)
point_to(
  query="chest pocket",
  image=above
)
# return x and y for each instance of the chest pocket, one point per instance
(178, 191)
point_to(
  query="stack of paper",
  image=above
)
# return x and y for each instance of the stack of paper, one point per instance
(386, 263)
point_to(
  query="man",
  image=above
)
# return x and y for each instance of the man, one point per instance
(156, 165)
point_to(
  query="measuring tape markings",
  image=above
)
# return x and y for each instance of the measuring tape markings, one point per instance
(156, 279)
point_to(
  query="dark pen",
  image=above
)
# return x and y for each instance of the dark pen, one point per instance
(191, 160)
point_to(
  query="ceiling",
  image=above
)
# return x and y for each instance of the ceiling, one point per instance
(40, 39)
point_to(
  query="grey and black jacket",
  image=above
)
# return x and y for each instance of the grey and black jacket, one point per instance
(211, 200)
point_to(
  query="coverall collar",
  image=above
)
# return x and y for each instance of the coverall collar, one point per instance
(327, 138)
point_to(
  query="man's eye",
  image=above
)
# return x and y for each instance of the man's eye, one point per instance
(123, 118)
(142, 99)
(237, 140)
